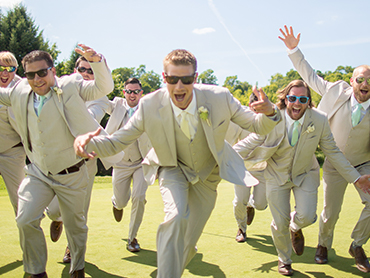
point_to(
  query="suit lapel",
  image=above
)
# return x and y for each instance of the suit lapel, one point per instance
(24, 127)
(117, 117)
(167, 119)
(340, 101)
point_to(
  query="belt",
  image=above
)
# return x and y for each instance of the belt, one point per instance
(72, 169)
(18, 145)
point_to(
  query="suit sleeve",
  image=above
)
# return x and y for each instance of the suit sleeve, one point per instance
(98, 108)
(248, 144)
(335, 156)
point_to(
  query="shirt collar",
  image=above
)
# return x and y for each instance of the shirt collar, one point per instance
(290, 121)
(47, 96)
(191, 109)
(354, 102)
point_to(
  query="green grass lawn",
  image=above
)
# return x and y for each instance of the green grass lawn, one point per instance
(219, 255)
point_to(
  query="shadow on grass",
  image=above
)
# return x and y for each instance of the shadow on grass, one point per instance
(91, 269)
(11, 266)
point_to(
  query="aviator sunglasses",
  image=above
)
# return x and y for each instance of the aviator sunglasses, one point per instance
(128, 91)
(83, 69)
(359, 80)
(41, 73)
(186, 80)
(8, 69)
(293, 99)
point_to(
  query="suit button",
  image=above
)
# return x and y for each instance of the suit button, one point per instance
(44, 155)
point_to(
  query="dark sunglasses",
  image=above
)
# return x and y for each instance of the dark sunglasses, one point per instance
(186, 80)
(83, 69)
(293, 99)
(42, 73)
(8, 69)
(127, 91)
(359, 80)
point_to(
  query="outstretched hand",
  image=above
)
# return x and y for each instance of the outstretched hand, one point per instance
(263, 104)
(289, 39)
(364, 183)
(81, 141)
(89, 53)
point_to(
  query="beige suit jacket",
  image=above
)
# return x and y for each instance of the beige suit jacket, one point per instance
(315, 131)
(155, 117)
(70, 105)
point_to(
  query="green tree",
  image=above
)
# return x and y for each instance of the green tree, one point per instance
(240, 90)
(67, 66)
(20, 35)
(207, 77)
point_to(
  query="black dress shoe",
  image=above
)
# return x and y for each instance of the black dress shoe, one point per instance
(241, 236)
(285, 269)
(321, 256)
(78, 273)
(67, 256)
(362, 263)
(250, 215)
(297, 241)
(56, 228)
(118, 213)
(40, 275)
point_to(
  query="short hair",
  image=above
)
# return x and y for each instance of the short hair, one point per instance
(180, 57)
(8, 59)
(37, 55)
(78, 61)
(133, 80)
(282, 93)
(367, 67)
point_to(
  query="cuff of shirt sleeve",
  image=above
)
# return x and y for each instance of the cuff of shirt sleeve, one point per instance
(291, 51)
(357, 179)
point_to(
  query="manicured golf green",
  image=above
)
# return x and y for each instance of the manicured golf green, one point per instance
(219, 255)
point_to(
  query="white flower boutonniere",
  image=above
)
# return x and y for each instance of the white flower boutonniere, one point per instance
(203, 114)
(58, 91)
(310, 128)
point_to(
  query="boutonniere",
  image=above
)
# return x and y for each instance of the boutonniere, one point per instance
(310, 128)
(203, 114)
(58, 91)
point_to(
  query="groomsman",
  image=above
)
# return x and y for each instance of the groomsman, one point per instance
(289, 151)
(347, 107)
(186, 124)
(129, 168)
(12, 155)
(50, 113)
(97, 109)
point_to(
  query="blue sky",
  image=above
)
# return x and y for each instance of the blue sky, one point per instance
(234, 37)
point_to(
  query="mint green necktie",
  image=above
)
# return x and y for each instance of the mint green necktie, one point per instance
(131, 112)
(295, 134)
(41, 104)
(356, 114)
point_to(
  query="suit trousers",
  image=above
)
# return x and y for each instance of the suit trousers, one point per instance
(243, 198)
(35, 193)
(187, 208)
(334, 189)
(12, 164)
(53, 210)
(278, 197)
(121, 179)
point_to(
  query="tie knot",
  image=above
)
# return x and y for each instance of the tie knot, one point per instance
(131, 111)
(41, 98)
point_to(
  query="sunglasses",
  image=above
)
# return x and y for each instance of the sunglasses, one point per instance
(41, 73)
(293, 99)
(359, 80)
(127, 91)
(83, 69)
(186, 80)
(8, 69)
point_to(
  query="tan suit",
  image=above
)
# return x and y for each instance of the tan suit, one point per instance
(12, 154)
(188, 171)
(129, 168)
(354, 142)
(294, 169)
(48, 141)
(243, 196)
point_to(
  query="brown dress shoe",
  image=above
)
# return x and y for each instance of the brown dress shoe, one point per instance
(241, 236)
(285, 269)
(133, 246)
(78, 273)
(40, 275)
(250, 215)
(321, 256)
(118, 213)
(56, 228)
(67, 256)
(362, 263)
(297, 241)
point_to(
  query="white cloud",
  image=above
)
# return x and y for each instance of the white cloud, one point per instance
(203, 31)
(321, 22)
(9, 3)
